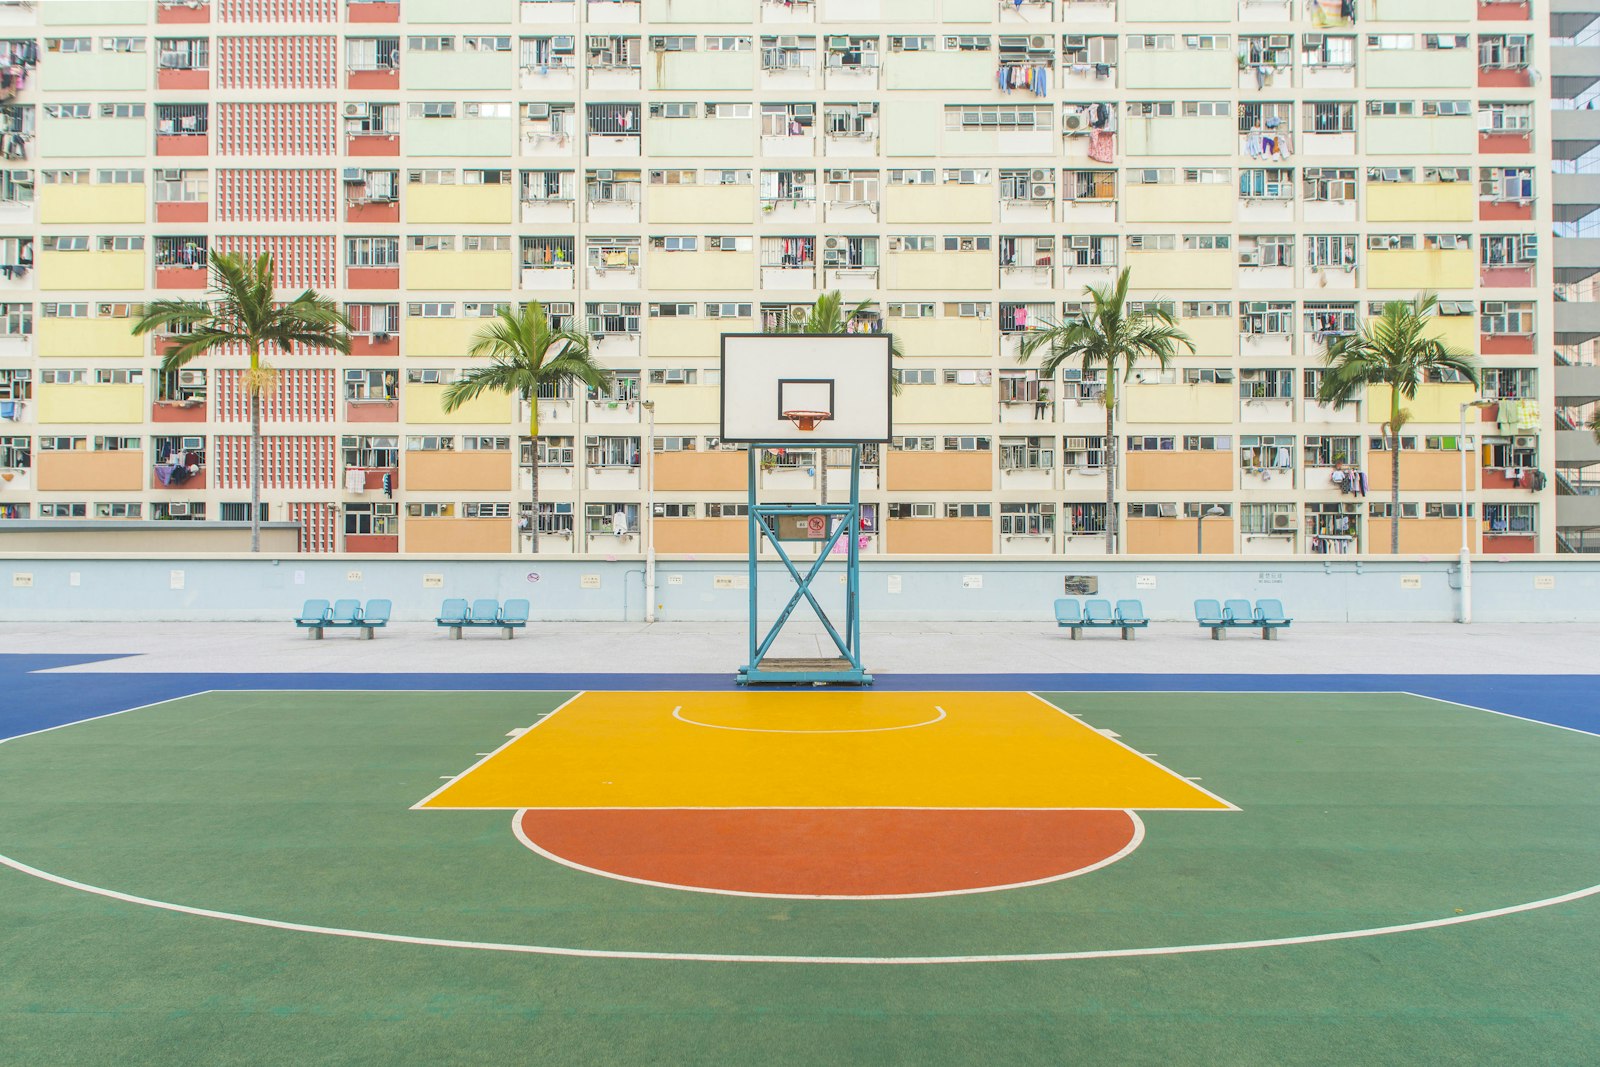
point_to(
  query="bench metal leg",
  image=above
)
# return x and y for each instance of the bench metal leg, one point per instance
(1128, 632)
(1269, 633)
(1218, 633)
(315, 632)
(508, 632)
(366, 633)
(1075, 631)
(455, 633)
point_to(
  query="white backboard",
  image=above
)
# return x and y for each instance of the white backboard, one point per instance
(764, 375)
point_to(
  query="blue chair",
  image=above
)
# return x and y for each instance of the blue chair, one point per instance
(514, 616)
(346, 614)
(1208, 613)
(313, 617)
(1131, 617)
(375, 616)
(1097, 614)
(453, 616)
(1238, 614)
(485, 612)
(1270, 617)
(1070, 616)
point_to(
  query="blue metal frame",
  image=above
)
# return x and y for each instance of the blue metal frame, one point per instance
(761, 519)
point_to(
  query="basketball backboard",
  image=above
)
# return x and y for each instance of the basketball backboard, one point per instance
(838, 385)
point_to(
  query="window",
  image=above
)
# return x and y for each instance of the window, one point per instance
(676, 244)
(676, 511)
(1330, 184)
(55, 510)
(1509, 249)
(15, 454)
(555, 519)
(431, 443)
(1508, 383)
(966, 444)
(1027, 454)
(1152, 242)
(362, 519)
(1206, 108)
(1150, 510)
(1391, 107)
(1207, 442)
(372, 252)
(496, 509)
(430, 44)
(1207, 376)
(995, 117)
(1266, 519)
(1207, 241)
(1507, 317)
(1505, 118)
(1380, 443)
(1266, 452)
(1270, 183)
(1027, 520)
(923, 376)
(437, 110)
(1193, 509)
(1152, 443)
(431, 510)
(1337, 451)
(674, 444)
(484, 443)
(1266, 384)
(616, 519)
(611, 451)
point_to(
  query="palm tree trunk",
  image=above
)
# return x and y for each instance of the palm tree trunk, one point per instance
(1110, 445)
(1394, 472)
(533, 479)
(255, 451)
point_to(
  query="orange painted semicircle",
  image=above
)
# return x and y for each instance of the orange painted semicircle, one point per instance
(831, 852)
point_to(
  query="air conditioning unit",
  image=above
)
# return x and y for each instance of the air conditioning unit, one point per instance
(833, 244)
(191, 377)
(1041, 174)
(1039, 40)
(1077, 40)
(169, 175)
(414, 510)
(1042, 192)
(1081, 242)
(538, 111)
(1073, 120)
(1524, 442)
(1313, 40)
(788, 42)
(1249, 259)
(1283, 520)
(658, 44)
(354, 176)
(354, 110)
(605, 175)
(177, 509)
(838, 175)
(1077, 444)
(1350, 509)
(610, 309)
(804, 111)
(1278, 40)
(1044, 244)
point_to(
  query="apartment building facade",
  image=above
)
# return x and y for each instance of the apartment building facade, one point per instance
(664, 171)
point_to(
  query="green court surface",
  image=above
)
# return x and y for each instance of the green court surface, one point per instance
(1356, 813)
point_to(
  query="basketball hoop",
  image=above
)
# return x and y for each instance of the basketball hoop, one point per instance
(806, 421)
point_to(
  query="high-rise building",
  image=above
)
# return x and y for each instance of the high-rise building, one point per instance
(664, 171)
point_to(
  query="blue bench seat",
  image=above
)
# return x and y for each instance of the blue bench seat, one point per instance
(317, 617)
(1128, 616)
(1266, 615)
(457, 615)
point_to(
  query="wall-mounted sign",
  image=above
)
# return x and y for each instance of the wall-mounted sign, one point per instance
(1080, 585)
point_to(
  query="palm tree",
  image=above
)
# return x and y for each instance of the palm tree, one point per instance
(241, 311)
(1106, 334)
(1392, 350)
(1594, 424)
(525, 352)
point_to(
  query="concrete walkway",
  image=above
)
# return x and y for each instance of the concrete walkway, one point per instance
(904, 648)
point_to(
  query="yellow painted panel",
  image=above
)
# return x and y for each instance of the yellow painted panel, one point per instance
(938, 203)
(1422, 268)
(424, 404)
(88, 337)
(940, 270)
(458, 203)
(1212, 337)
(91, 404)
(701, 270)
(91, 203)
(457, 470)
(1179, 403)
(1182, 269)
(90, 271)
(945, 337)
(440, 337)
(1411, 202)
(458, 270)
(1180, 203)
(715, 750)
(458, 535)
(686, 403)
(1439, 403)
(1459, 331)
(935, 404)
(700, 203)
(673, 338)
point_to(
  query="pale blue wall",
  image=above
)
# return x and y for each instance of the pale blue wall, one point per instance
(1312, 590)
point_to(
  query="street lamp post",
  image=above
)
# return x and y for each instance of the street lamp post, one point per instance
(1466, 534)
(649, 518)
(1200, 528)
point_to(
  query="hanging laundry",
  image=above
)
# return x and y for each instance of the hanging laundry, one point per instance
(1101, 146)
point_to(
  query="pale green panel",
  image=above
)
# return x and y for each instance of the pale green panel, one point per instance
(1188, 69)
(95, 12)
(1450, 68)
(1210, 135)
(64, 138)
(700, 70)
(1420, 10)
(459, 70)
(911, 11)
(98, 70)
(940, 70)
(742, 11)
(1414, 135)
(458, 137)
(1179, 10)
(475, 11)
(911, 127)
(965, 10)
(699, 137)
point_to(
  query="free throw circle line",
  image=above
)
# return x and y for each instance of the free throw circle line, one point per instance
(677, 713)
(725, 957)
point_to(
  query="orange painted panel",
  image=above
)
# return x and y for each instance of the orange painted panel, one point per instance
(939, 471)
(1511, 544)
(388, 212)
(90, 470)
(1152, 537)
(1421, 470)
(374, 79)
(183, 79)
(372, 277)
(1504, 144)
(458, 535)
(1442, 536)
(676, 471)
(368, 144)
(1505, 344)
(458, 470)
(1180, 470)
(1505, 210)
(690, 536)
(183, 144)
(939, 536)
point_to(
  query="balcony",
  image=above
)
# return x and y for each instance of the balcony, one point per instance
(179, 12)
(1581, 512)
(1573, 133)
(372, 11)
(1576, 322)
(1581, 384)
(1576, 258)
(1573, 69)
(1567, 17)
(1576, 195)
(1576, 448)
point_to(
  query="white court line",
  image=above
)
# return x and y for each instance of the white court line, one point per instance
(110, 714)
(1121, 744)
(419, 805)
(1133, 843)
(677, 714)
(717, 957)
(1503, 714)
